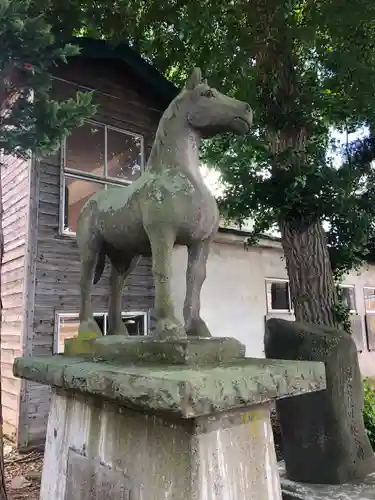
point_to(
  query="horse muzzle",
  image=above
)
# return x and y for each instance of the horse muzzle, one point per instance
(241, 125)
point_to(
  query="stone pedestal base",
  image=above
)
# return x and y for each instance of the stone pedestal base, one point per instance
(190, 351)
(360, 490)
(324, 436)
(100, 452)
(142, 431)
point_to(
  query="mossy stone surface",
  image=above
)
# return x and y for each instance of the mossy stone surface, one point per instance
(324, 437)
(358, 490)
(190, 351)
(79, 346)
(187, 391)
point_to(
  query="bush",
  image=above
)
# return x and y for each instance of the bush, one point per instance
(369, 410)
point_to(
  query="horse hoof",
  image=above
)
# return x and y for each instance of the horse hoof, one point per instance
(167, 329)
(89, 329)
(118, 330)
(198, 329)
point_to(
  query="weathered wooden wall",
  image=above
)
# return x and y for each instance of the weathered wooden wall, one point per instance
(53, 279)
(15, 195)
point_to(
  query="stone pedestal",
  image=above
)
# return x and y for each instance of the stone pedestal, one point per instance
(357, 490)
(324, 436)
(152, 431)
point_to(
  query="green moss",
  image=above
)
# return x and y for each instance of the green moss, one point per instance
(80, 346)
(369, 410)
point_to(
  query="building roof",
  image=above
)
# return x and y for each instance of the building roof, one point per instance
(245, 233)
(141, 68)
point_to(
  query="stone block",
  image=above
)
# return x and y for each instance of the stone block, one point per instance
(324, 438)
(78, 346)
(150, 457)
(88, 479)
(357, 490)
(185, 391)
(190, 351)
(192, 432)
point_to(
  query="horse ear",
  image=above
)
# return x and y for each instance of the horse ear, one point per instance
(194, 79)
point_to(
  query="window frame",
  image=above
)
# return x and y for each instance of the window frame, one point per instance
(78, 174)
(270, 310)
(368, 311)
(75, 314)
(355, 310)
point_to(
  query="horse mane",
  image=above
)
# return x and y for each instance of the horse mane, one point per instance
(168, 114)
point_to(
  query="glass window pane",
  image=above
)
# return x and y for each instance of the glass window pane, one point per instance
(77, 192)
(135, 324)
(369, 294)
(348, 297)
(100, 320)
(85, 149)
(124, 155)
(278, 295)
(68, 328)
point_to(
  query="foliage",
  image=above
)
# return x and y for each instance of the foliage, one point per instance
(352, 219)
(369, 410)
(342, 314)
(304, 66)
(343, 197)
(30, 121)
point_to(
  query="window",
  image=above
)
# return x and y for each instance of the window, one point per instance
(66, 326)
(278, 295)
(369, 294)
(347, 294)
(95, 157)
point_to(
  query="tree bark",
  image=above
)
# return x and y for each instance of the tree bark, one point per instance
(3, 493)
(310, 274)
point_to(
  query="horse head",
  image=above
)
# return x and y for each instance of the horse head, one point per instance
(209, 112)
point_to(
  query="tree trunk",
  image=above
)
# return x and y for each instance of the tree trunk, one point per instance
(3, 494)
(310, 274)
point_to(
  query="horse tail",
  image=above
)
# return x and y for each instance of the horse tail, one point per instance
(99, 265)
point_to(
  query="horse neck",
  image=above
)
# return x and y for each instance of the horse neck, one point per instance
(176, 147)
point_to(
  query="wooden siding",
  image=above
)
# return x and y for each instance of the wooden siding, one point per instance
(55, 275)
(15, 195)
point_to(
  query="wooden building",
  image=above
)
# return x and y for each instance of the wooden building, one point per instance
(42, 200)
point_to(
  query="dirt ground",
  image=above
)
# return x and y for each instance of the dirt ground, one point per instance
(22, 473)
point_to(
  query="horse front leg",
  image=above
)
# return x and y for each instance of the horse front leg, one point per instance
(195, 276)
(162, 241)
(119, 273)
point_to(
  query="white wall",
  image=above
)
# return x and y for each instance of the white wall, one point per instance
(233, 301)
(364, 278)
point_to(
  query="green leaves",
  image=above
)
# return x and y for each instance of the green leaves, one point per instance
(30, 122)
(304, 66)
(369, 409)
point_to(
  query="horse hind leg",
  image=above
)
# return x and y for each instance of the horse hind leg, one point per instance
(89, 257)
(119, 272)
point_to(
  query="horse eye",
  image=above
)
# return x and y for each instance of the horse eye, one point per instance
(208, 93)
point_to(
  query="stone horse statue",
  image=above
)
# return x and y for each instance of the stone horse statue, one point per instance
(168, 205)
